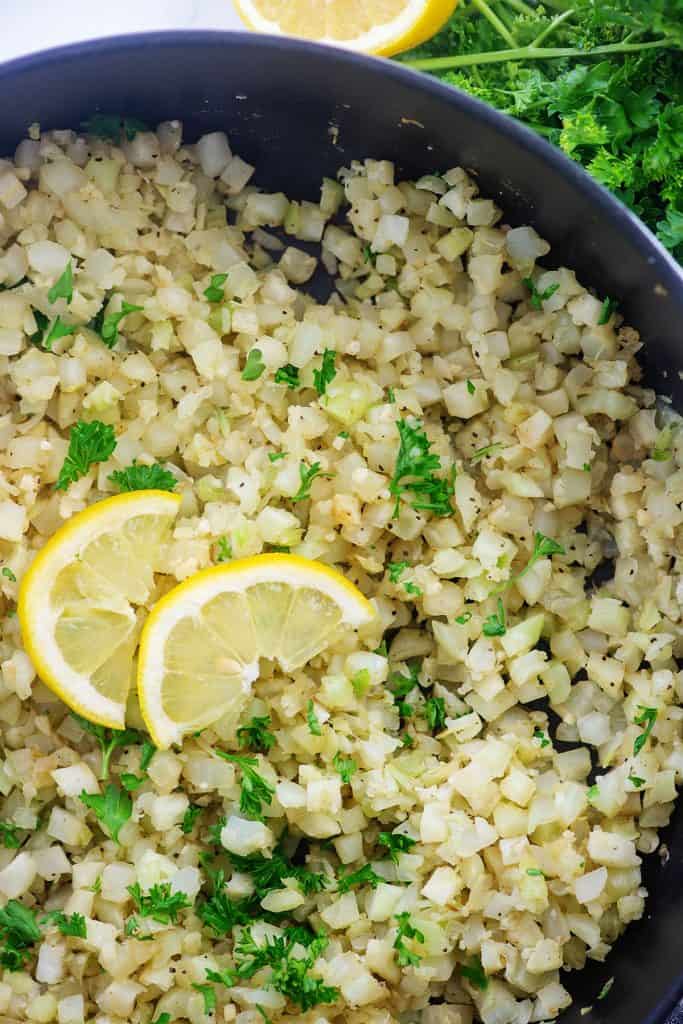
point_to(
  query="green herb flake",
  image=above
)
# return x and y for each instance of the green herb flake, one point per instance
(148, 752)
(254, 790)
(646, 720)
(464, 618)
(131, 783)
(107, 327)
(42, 338)
(609, 307)
(276, 456)
(290, 975)
(307, 474)
(327, 372)
(109, 740)
(407, 740)
(8, 574)
(63, 288)
(606, 989)
(163, 1018)
(541, 737)
(412, 589)
(487, 451)
(288, 375)
(189, 818)
(216, 289)
(470, 387)
(405, 957)
(225, 977)
(475, 974)
(143, 478)
(592, 793)
(360, 681)
(535, 873)
(369, 256)
(346, 766)
(363, 876)
(19, 932)
(435, 713)
(113, 126)
(208, 994)
(496, 624)
(9, 835)
(396, 570)
(73, 926)
(89, 443)
(223, 550)
(113, 809)
(538, 298)
(312, 720)
(636, 781)
(160, 903)
(254, 366)
(256, 734)
(396, 843)
(415, 473)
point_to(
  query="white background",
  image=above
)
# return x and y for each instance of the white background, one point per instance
(30, 25)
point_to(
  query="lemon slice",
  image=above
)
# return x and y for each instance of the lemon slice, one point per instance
(78, 602)
(371, 26)
(200, 647)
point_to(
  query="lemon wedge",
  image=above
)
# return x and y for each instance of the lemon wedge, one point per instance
(201, 645)
(79, 601)
(371, 26)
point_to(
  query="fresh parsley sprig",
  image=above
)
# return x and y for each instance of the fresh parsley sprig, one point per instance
(108, 326)
(405, 957)
(255, 791)
(256, 734)
(109, 740)
(327, 372)
(363, 876)
(113, 808)
(396, 843)
(416, 466)
(19, 933)
(159, 903)
(143, 478)
(89, 443)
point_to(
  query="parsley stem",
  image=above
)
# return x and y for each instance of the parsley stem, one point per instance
(520, 7)
(493, 19)
(464, 60)
(549, 29)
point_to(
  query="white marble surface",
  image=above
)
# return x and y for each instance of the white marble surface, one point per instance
(31, 25)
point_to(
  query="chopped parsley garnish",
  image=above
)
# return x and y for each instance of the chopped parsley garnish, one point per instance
(400, 686)
(131, 782)
(290, 974)
(541, 737)
(609, 307)
(407, 740)
(9, 836)
(462, 619)
(216, 290)
(255, 791)
(222, 914)
(369, 256)
(89, 443)
(268, 873)
(586, 467)
(535, 873)
(414, 472)
(475, 974)
(307, 475)
(412, 589)
(256, 734)
(538, 298)
(360, 681)
(160, 903)
(96, 887)
(606, 989)
(396, 570)
(113, 809)
(470, 387)
(495, 625)
(264, 1015)
(593, 792)
(435, 713)
(364, 876)
(326, 373)
(391, 396)
(404, 956)
(646, 720)
(663, 449)
(486, 451)
(108, 326)
(276, 456)
(109, 740)
(223, 550)
(73, 926)
(346, 766)
(254, 366)
(63, 288)
(143, 478)
(312, 719)
(19, 932)
(112, 126)
(544, 547)
(8, 574)
(189, 818)
(208, 994)
(289, 375)
(636, 781)
(344, 433)
(163, 1018)
(396, 843)
(225, 977)
(57, 330)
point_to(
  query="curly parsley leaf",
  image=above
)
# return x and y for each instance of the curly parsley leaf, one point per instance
(541, 737)
(255, 791)
(538, 298)
(143, 478)
(364, 876)
(288, 375)
(435, 713)
(89, 443)
(73, 926)
(307, 475)
(113, 809)
(256, 734)
(396, 843)
(415, 470)
(9, 835)
(208, 995)
(108, 326)
(646, 720)
(159, 903)
(405, 957)
(346, 766)
(42, 338)
(19, 932)
(475, 974)
(109, 740)
(268, 873)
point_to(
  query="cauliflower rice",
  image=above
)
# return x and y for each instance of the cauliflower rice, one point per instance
(499, 844)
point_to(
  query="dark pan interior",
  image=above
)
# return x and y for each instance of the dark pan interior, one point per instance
(300, 112)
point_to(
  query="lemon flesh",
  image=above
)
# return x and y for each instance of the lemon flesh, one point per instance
(79, 604)
(201, 645)
(371, 26)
